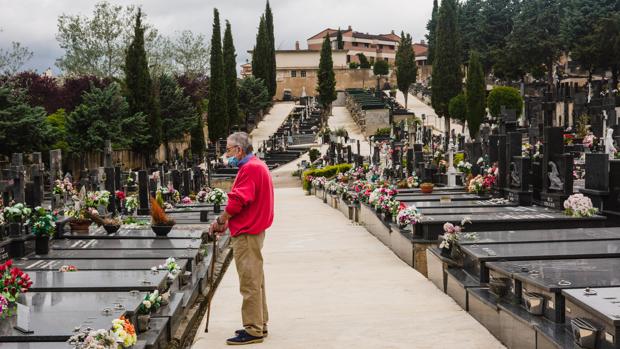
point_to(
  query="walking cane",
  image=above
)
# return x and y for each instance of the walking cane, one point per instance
(212, 279)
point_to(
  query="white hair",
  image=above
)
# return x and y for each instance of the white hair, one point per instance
(242, 140)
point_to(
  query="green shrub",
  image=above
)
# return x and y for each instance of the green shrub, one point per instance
(353, 65)
(458, 157)
(327, 172)
(314, 154)
(383, 131)
(509, 97)
(458, 108)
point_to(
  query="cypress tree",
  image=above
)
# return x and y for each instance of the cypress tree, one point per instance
(446, 79)
(271, 52)
(139, 87)
(197, 138)
(217, 117)
(431, 27)
(339, 41)
(326, 78)
(475, 95)
(230, 73)
(259, 54)
(406, 68)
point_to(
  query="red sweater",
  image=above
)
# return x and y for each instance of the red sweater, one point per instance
(250, 201)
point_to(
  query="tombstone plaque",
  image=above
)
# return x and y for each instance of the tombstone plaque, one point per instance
(143, 192)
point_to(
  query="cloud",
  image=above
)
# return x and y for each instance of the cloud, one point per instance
(34, 22)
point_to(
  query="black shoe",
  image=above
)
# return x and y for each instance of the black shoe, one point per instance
(238, 332)
(243, 338)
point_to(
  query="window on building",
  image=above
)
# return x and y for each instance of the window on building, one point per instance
(381, 47)
(348, 58)
(366, 45)
(354, 44)
(302, 73)
(391, 47)
(293, 73)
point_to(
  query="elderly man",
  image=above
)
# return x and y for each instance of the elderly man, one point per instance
(248, 214)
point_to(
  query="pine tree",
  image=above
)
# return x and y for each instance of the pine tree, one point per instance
(326, 78)
(406, 68)
(431, 27)
(139, 89)
(339, 41)
(271, 52)
(177, 111)
(230, 73)
(446, 79)
(217, 115)
(475, 95)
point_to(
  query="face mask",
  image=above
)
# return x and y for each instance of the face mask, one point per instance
(233, 162)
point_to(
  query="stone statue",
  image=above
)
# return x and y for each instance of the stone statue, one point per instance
(555, 182)
(609, 144)
(515, 180)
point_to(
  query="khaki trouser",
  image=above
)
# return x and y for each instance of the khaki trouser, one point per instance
(249, 263)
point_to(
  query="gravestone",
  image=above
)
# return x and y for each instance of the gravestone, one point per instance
(109, 186)
(143, 192)
(117, 178)
(176, 179)
(409, 162)
(186, 189)
(597, 179)
(557, 169)
(519, 179)
(55, 170)
(197, 179)
(375, 155)
(349, 155)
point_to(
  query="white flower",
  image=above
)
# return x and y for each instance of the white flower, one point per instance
(147, 304)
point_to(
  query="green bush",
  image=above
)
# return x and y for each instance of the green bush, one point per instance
(327, 172)
(458, 108)
(314, 154)
(354, 65)
(383, 131)
(458, 157)
(504, 96)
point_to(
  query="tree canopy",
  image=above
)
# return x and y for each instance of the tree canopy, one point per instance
(406, 67)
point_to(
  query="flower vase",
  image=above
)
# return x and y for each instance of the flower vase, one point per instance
(387, 217)
(42, 245)
(143, 323)
(15, 229)
(217, 208)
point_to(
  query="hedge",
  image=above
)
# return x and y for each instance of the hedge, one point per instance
(327, 172)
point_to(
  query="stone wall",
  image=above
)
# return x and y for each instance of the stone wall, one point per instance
(345, 78)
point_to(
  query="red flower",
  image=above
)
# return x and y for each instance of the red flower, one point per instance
(120, 195)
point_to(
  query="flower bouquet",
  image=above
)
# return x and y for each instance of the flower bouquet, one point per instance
(160, 222)
(390, 207)
(93, 339)
(476, 185)
(150, 304)
(131, 204)
(124, 332)
(43, 227)
(186, 200)
(578, 205)
(201, 196)
(62, 187)
(4, 307)
(217, 197)
(171, 266)
(68, 269)
(413, 181)
(452, 234)
(464, 167)
(408, 215)
(16, 216)
(13, 281)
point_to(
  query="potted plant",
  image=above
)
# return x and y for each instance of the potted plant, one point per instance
(43, 228)
(15, 282)
(16, 215)
(150, 304)
(160, 222)
(111, 225)
(406, 216)
(217, 197)
(427, 188)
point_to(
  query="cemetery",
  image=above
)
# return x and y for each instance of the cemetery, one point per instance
(464, 193)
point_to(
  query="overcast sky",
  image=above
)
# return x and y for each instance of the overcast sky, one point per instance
(34, 22)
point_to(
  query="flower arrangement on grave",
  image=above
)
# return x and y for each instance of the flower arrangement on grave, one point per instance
(351, 197)
(186, 200)
(357, 186)
(452, 234)
(161, 224)
(43, 227)
(464, 167)
(526, 148)
(124, 332)
(120, 195)
(342, 178)
(93, 339)
(68, 269)
(408, 215)
(443, 166)
(579, 205)
(17, 213)
(131, 203)
(356, 173)
(373, 174)
(13, 281)
(569, 138)
(217, 196)
(379, 195)
(62, 187)
(171, 266)
(94, 199)
(413, 181)
(476, 185)
(201, 196)
(391, 207)
(588, 140)
(319, 182)
(150, 303)
(4, 307)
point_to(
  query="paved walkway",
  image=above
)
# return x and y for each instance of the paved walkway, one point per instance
(331, 284)
(270, 123)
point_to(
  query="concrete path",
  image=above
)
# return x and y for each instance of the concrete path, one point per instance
(416, 105)
(333, 285)
(342, 118)
(271, 122)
